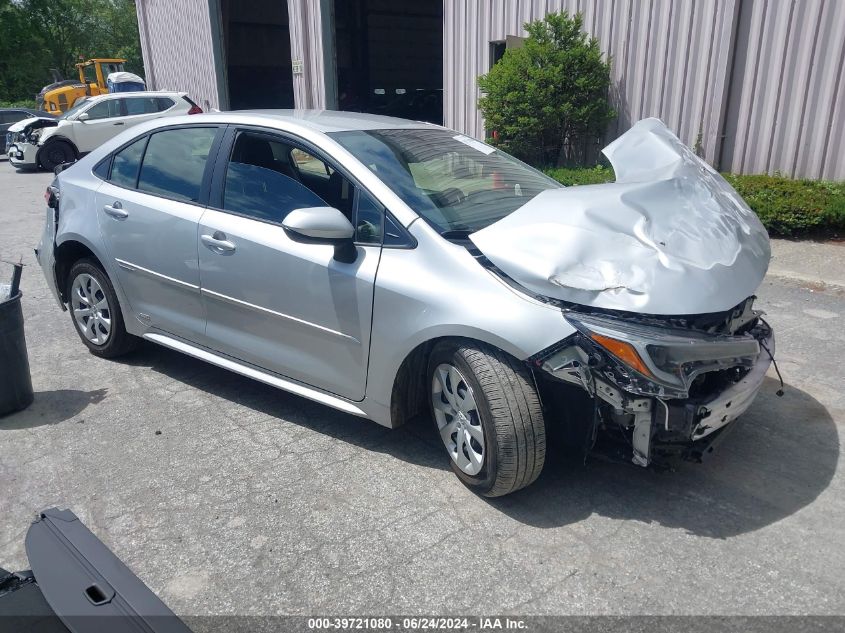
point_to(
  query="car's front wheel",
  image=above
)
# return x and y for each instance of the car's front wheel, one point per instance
(95, 311)
(488, 415)
(56, 153)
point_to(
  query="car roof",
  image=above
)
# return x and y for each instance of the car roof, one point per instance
(136, 93)
(322, 120)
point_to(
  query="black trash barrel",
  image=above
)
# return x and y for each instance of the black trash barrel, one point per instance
(15, 382)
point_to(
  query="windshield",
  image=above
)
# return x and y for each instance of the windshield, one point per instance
(458, 184)
(77, 106)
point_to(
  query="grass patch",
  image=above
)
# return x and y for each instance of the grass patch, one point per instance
(786, 207)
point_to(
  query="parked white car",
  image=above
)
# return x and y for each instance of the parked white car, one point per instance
(46, 143)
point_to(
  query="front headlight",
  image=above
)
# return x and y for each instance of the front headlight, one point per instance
(662, 362)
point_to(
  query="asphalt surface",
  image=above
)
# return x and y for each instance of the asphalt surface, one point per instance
(254, 501)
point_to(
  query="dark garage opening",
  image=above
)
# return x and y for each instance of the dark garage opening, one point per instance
(390, 57)
(258, 64)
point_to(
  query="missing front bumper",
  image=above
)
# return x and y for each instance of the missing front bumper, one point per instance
(648, 426)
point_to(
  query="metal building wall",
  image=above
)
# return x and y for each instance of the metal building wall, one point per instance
(757, 85)
(669, 58)
(177, 46)
(786, 111)
(311, 42)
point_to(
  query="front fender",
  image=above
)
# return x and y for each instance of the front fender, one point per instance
(438, 290)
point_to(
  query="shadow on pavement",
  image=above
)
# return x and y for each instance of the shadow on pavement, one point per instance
(52, 407)
(414, 442)
(780, 458)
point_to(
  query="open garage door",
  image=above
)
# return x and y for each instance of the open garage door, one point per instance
(258, 62)
(390, 57)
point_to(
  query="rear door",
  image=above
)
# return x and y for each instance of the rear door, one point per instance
(149, 211)
(284, 305)
(139, 108)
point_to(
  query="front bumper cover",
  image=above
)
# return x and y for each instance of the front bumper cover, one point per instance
(23, 154)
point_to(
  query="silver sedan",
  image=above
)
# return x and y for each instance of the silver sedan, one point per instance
(393, 269)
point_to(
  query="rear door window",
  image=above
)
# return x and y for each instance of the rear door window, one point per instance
(163, 103)
(13, 116)
(141, 105)
(125, 164)
(174, 163)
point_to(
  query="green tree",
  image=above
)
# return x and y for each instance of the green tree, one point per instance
(39, 35)
(23, 62)
(548, 100)
(65, 28)
(117, 33)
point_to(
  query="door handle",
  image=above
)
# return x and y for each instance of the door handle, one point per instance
(116, 210)
(218, 242)
(118, 123)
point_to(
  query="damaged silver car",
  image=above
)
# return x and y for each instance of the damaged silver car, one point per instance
(394, 269)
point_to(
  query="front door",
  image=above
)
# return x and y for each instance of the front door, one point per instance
(148, 212)
(105, 121)
(283, 305)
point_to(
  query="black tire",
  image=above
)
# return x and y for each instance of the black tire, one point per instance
(119, 341)
(56, 153)
(510, 411)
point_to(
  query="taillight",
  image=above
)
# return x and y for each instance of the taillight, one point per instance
(195, 109)
(51, 196)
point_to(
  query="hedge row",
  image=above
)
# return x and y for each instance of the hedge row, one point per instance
(786, 207)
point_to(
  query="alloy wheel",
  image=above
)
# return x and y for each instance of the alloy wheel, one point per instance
(458, 419)
(91, 309)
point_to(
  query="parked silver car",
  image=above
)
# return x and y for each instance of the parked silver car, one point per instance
(391, 269)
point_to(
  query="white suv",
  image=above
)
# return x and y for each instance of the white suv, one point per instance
(47, 143)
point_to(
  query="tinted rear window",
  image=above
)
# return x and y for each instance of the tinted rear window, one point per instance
(124, 170)
(174, 162)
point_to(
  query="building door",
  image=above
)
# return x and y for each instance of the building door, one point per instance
(389, 56)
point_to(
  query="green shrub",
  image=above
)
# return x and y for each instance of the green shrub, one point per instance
(25, 103)
(582, 176)
(786, 207)
(548, 100)
(789, 207)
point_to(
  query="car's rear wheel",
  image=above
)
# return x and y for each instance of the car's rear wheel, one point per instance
(56, 153)
(95, 311)
(488, 415)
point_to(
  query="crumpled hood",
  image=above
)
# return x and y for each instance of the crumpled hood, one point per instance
(670, 236)
(20, 126)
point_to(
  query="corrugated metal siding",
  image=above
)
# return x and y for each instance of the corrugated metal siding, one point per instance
(177, 47)
(786, 110)
(306, 44)
(669, 58)
(756, 85)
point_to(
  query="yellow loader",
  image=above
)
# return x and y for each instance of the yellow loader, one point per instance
(60, 96)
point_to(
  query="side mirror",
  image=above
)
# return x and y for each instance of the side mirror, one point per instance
(83, 117)
(323, 225)
(60, 168)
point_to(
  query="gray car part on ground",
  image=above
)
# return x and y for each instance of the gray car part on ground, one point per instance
(77, 579)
